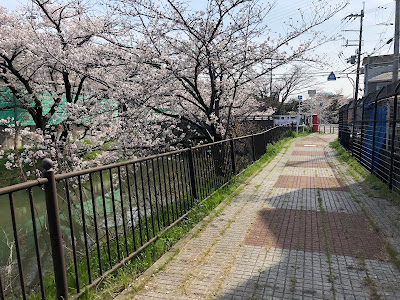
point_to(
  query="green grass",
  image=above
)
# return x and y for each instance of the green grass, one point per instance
(373, 185)
(13, 176)
(352, 163)
(8, 177)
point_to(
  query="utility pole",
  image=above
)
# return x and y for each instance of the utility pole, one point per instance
(395, 74)
(359, 55)
(361, 16)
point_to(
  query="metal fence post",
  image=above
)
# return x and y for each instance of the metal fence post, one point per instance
(252, 147)
(348, 130)
(56, 241)
(233, 156)
(265, 141)
(2, 296)
(191, 172)
(354, 126)
(374, 135)
(362, 130)
(394, 123)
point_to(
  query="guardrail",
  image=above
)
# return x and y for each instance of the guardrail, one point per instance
(74, 229)
(331, 128)
(325, 128)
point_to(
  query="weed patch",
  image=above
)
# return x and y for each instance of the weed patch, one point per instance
(372, 185)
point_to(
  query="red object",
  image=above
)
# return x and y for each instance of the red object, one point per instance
(315, 123)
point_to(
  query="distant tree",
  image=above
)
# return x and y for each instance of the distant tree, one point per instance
(283, 89)
(335, 102)
(290, 107)
(292, 81)
(327, 106)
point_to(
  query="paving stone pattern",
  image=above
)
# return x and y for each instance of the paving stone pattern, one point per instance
(308, 182)
(309, 164)
(302, 230)
(299, 229)
(309, 153)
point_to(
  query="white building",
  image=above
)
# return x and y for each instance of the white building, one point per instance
(284, 119)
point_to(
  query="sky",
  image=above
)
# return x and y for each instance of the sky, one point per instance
(378, 28)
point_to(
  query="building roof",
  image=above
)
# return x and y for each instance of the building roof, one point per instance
(384, 77)
(379, 60)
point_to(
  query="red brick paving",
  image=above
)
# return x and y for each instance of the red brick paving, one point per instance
(308, 182)
(308, 153)
(347, 234)
(309, 164)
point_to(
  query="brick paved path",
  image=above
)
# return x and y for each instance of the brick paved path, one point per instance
(302, 228)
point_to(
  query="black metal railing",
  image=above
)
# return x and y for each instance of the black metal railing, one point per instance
(76, 228)
(369, 129)
(328, 128)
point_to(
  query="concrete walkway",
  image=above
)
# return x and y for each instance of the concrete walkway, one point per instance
(302, 228)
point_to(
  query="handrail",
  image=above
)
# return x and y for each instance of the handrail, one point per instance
(21, 186)
(58, 177)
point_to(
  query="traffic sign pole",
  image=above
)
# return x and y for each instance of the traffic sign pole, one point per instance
(299, 97)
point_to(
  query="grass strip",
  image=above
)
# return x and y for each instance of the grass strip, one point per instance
(373, 185)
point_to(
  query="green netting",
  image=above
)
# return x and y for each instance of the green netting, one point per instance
(7, 100)
(23, 117)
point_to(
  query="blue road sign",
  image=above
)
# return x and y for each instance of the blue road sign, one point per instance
(331, 77)
(299, 97)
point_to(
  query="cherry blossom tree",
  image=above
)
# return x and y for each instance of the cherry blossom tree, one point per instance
(284, 87)
(63, 75)
(327, 106)
(102, 83)
(203, 67)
